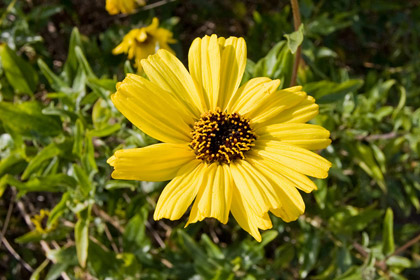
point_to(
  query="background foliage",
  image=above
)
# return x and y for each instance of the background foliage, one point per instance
(58, 127)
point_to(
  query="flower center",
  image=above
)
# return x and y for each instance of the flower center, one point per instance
(223, 137)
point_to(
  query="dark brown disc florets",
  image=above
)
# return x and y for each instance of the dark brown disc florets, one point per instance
(223, 137)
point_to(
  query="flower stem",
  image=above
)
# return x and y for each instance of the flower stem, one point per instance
(296, 21)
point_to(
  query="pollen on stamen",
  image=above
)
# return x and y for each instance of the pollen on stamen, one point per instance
(222, 137)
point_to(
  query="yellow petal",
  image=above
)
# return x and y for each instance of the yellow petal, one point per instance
(290, 200)
(276, 103)
(299, 180)
(296, 158)
(301, 113)
(246, 218)
(269, 191)
(165, 70)
(308, 136)
(250, 94)
(215, 195)
(178, 194)
(153, 110)
(204, 66)
(153, 26)
(159, 162)
(250, 188)
(142, 51)
(232, 67)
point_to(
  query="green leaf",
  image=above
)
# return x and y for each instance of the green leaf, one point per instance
(27, 119)
(58, 209)
(55, 81)
(35, 236)
(71, 65)
(104, 131)
(398, 261)
(367, 162)
(101, 114)
(81, 235)
(329, 92)
(9, 162)
(84, 63)
(78, 138)
(65, 114)
(55, 270)
(277, 64)
(19, 72)
(36, 274)
(205, 265)
(85, 186)
(135, 231)
(48, 152)
(88, 160)
(106, 84)
(50, 183)
(212, 249)
(295, 39)
(7, 180)
(267, 237)
(388, 245)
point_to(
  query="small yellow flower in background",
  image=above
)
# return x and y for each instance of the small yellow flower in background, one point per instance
(141, 42)
(123, 6)
(227, 149)
(38, 220)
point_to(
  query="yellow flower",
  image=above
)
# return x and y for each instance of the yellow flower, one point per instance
(141, 42)
(37, 221)
(227, 149)
(122, 6)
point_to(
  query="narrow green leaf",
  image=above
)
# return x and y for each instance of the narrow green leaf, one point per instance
(105, 131)
(55, 81)
(388, 245)
(78, 138)
(36, 236)
(48, 152)
(85, 185)
(329, 92)
(81, 235)
(71, 64)
(50, 183)
(55, 270)
(84, 63)
(89, 161)
(295, 39)
(58, 209)
(367, 162)
(36, 274)
(19, 72)
(212, 249)
(106, 84)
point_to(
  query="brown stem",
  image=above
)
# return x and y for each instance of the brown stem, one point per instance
(406, 245)
(296, 21)
(379, 264)
(6, 221)
(99, 212)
